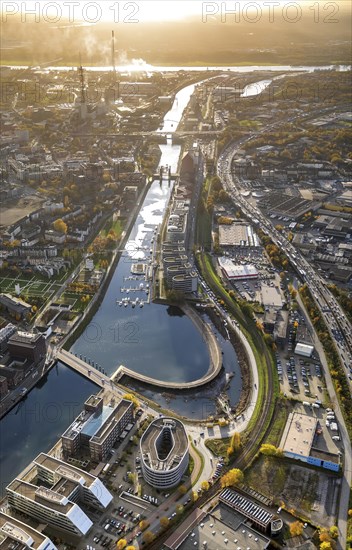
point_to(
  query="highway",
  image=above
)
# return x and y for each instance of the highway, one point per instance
(335, 319)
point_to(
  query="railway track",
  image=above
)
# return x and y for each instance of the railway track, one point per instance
(242, 461)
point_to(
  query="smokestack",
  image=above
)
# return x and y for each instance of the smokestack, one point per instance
(113, 52)
(81, 78)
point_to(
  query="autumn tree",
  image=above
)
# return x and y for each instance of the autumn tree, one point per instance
(179, 509)
(121, 544)
(133, 398)
(205, 485)
(130, 547)
(143, 524)
(270, 450)
(164, 522)
(182, 490)
(148, 537)
(333, 532)
(60, 226)
(231, 478)
(325, 546)
(324, 535)
(296, 528)
(235, 441)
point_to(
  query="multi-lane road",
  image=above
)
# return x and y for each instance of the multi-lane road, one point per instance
(335, 318)
(330, 310)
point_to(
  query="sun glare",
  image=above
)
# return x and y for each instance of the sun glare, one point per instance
(151, 10)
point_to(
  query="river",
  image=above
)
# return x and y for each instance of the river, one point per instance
(147, 68)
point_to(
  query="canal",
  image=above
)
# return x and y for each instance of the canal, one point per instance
(155, 340)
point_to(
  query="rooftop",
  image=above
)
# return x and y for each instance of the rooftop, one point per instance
(237, 271)
(62, 469)
(299, 434)
(11, 529)
(41, 495)
(164, 444)
(237, 234)
(216, 528)
(271, 296)
(246, 507)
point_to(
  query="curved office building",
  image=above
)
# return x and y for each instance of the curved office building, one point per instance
(164, 453)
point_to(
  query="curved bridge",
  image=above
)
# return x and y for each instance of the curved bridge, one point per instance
(103, 380)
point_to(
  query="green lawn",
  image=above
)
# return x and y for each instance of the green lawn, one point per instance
(282, 410)
(218, 446)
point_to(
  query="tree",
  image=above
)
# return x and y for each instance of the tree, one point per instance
(133, 398)
(325, 546)
(205, 485)
(334, 532)
(296, 528)
(148, 537)
(270, 450)
(132, 478)
(130, 547)
(229, 451)
(182, 490)
(194, 496)
(179, 509)
(60, 226)
(164, 522)
(121, 544)
(235, 441)
(143, 524)
(324, 535)
(231, 478)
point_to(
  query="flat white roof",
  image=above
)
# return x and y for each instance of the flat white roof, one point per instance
(304, 349)
(237, 271)
(299, 433)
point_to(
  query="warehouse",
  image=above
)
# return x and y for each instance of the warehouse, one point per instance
(297, 442)
(237, 272)
(238, 235)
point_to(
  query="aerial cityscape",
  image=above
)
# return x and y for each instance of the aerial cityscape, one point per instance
(176, 275)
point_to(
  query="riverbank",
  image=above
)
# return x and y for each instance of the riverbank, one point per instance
(10, 401)
(94, 305)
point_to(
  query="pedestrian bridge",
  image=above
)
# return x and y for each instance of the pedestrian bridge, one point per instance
(104, 381)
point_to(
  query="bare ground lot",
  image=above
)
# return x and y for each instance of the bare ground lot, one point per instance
(311, 493)
(19, 208)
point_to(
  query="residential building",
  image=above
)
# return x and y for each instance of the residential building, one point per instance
(97, 427)
(15, 307)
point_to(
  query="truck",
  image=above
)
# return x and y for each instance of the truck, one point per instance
(106, 468)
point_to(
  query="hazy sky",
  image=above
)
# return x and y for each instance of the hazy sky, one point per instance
(140, 11)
